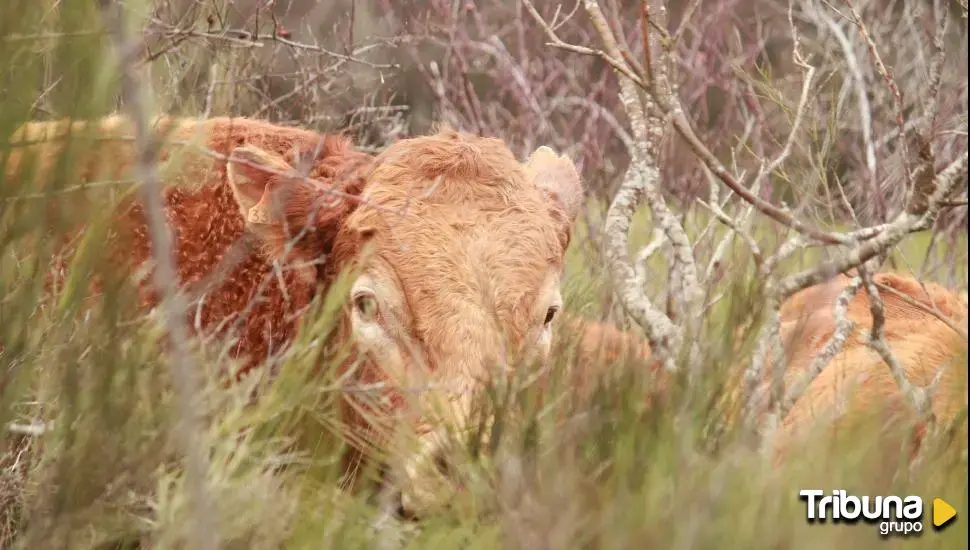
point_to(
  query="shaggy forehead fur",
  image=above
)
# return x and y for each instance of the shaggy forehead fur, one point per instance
(469, 238)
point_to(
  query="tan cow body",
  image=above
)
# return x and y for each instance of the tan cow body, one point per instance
(858, 382)
(925, 329)
(458, 246)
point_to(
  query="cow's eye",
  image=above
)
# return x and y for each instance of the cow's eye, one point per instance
(366, 306)
(550, 314)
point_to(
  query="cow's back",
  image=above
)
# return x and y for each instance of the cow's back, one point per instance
(858, 385)
(220, 266)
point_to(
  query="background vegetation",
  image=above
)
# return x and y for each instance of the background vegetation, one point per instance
(88, 455)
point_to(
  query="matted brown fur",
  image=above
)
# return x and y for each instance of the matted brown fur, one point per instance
(202, 211)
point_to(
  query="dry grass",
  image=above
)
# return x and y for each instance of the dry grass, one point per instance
(89, 457)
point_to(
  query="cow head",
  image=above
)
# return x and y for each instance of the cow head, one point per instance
(458, 250)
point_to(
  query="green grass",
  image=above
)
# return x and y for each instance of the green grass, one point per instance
(604, 473)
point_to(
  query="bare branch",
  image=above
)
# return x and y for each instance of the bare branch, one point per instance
(203, 533)
(865, 108)
(736, 228)
(905, 223)
(246, 39)
(843, 328)
(918, 398)
(768, 341)
(618, 64)
(890, 83)
(642, 181)
(934, 311)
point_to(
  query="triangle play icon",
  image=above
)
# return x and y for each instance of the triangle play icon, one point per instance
(942, 512)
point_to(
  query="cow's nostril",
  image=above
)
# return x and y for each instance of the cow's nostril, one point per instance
(441, 464)
(402, 512)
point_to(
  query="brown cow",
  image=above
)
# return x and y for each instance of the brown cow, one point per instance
(925, 328)
(858, 383)
(464, 246)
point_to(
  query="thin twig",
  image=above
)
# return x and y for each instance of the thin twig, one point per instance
(203, 531)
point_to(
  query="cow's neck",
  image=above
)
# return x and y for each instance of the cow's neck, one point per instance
(234, 290)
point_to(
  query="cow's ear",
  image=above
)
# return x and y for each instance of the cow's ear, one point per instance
(277, 205)
(253, 175)
(557, 177)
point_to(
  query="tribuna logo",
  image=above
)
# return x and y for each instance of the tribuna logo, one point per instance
(895, 515)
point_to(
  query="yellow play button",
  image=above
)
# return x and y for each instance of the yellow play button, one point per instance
(942, 512)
